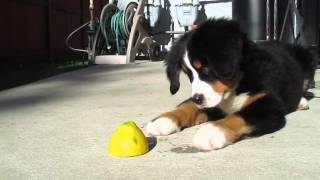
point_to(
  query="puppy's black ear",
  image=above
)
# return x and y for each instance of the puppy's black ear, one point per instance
(174, 60)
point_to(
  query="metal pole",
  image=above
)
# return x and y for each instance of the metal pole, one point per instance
(275, 20)
(251, 14)
(268, 23)
(285, 19)
(91, 32)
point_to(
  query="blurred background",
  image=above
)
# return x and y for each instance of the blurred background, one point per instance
(33, 32)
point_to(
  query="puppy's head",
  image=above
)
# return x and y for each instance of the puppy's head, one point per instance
(211, 56)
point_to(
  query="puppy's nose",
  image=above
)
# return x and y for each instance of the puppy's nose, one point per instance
(198, 98)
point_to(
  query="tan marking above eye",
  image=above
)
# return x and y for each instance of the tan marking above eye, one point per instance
(221, 87)
(226, 85)
(197, 64)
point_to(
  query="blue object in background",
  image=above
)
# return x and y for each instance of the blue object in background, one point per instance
(154, 9)
(187, 11)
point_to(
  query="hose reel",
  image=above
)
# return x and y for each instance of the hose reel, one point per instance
(118, 35)
(115, 25)
(121, 34)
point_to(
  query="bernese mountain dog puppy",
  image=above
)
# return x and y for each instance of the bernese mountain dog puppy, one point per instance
(239, 88)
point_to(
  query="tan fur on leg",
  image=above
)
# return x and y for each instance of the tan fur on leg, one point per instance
(185, 115)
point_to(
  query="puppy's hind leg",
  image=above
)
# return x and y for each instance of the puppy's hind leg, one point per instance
(303, 104)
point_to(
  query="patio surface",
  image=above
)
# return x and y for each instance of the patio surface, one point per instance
(58, 128)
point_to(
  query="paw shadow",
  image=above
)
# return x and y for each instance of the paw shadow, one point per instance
(152, 142)
(185, 150)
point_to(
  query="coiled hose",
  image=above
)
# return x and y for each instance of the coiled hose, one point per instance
(113, 27)
(118, 30)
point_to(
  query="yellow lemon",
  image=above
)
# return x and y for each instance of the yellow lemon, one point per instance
(127, 140)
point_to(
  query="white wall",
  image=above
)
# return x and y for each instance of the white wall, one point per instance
(211, 10)
(217, 10)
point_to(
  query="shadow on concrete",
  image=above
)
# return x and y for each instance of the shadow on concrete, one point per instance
(185, 149)
(152, 142)
(72, 85)
(103, 73)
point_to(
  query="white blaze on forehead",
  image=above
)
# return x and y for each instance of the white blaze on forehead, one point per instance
(211, 97)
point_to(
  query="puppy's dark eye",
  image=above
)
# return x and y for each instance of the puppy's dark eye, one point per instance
(205, 71)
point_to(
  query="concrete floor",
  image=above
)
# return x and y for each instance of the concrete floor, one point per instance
(58, 128)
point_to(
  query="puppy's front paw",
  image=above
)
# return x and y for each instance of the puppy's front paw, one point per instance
(161, 127)
(209, 137)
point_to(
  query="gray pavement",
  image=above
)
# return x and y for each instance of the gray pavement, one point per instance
(58, 128)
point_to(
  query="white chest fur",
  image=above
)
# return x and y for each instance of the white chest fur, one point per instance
(232, 103)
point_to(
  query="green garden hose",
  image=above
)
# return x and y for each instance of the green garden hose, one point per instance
(113, 27)
(118, 30)
(105, 22)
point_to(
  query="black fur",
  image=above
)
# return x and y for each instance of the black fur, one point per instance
(218, 43)
(274, 68)
(174, 61)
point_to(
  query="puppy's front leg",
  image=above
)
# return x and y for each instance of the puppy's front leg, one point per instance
(183, 116)
(217, 134)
